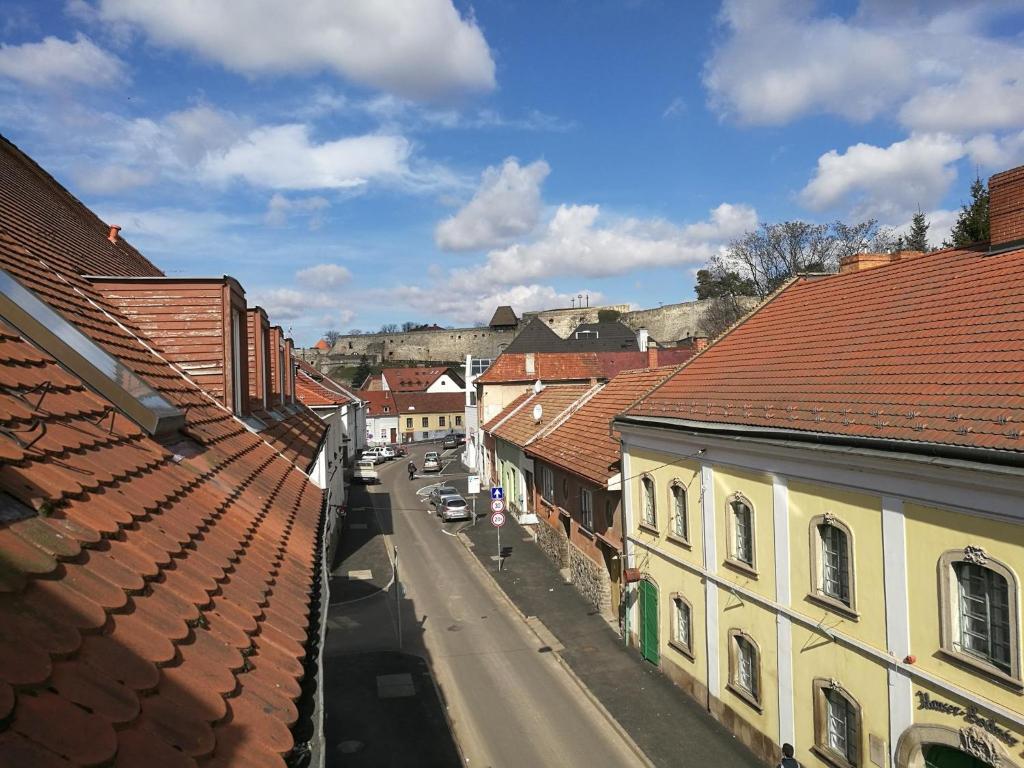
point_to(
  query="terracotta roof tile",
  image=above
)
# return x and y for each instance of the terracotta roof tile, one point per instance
(312, 388)
(925, 351)
(430, 402)
(584, 443)
(378, 400)
(516, 424)
(415, 379)
(575, 366)
(106, 595)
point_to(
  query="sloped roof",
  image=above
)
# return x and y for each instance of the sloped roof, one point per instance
(928, 351)
(322, 345)
(377, 400)
(430, 402)
(607, 336)
(516, 424)
(536, 336)
(583, 443)
(574, 366)
(159, 610)
(503, 316)
(313, 389)
(372, 383)
(413, 379)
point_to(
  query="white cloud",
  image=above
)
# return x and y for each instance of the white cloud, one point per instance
(53, 61)
(308, 307)
(888, 183)
(170, 226)
(415, 48)
(997, 152)
(284, 157)
(507, 204)
(281, 208)
(934, 65)
(479, 306)
(323, 276)
(577, 242)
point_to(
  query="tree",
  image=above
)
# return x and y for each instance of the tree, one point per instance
(362, 371)
(917, 237)
(389, 328)
(711, 284)
(332, 336)
(972, 223)
(608, 315)
(409, 325)
(355, 332)
(720, 313)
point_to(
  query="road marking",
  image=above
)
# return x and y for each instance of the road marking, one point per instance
(449, 533)
(366, 575)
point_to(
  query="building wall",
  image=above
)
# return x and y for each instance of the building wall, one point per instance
(437, 425)
(885, 652)
(376, 424)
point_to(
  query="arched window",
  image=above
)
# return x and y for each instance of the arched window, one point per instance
(832, 563)
(682, 625)
(742, 550)
(680, 524)
(745, 667)
(648, 510)
(979, 611)
(837, 724)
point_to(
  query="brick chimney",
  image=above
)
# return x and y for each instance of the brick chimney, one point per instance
(858, 262)
(1006, 207)
(700, 343)
(652, 356)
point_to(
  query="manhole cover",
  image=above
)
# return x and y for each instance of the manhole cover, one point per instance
(350, 747)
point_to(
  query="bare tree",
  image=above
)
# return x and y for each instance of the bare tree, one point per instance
(355, 332)
(332, 336)
(389, 328)
(720, 313)
(409, 325)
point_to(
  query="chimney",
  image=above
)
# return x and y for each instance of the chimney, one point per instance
(858, 262)
(1006, 207)
(700, 343)
(112, 236)
(652, 356)
(641, 339)
(530, 362)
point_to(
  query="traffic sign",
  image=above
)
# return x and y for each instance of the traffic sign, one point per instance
(498, 519)
(473, 483)
(497, 506)
(497, 492)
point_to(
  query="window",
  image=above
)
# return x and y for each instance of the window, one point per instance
(586, 509)
(680, 529)
(832, 562)
(744, 668)
(978, 606)
(458, 421)
(408, 423)
(547, 484)
(383, 434)
(387, 409)
(836, 724)
(425, 421)
(682, 625)
(649, 513)
(741, 532)
(440, 421)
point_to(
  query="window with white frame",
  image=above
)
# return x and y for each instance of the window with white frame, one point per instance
(680, 525)
(408, 423)
(837, 729)
(647, 502)
(458, 421)
(744, 667)
(547, 484)
(979, 611)
(425, 421)
(832, 562)
(586, 509)
(682, 624)
(741, 530)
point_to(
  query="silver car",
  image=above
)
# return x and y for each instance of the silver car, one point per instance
(432, 462)
(440, 492)
(453, 508)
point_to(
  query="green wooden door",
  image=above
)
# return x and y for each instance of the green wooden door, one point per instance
(649, 621)
(940, 756)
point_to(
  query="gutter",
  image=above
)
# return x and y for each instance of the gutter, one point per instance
(910, 449)
(319, 447)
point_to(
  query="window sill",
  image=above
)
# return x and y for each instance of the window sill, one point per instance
(741, 567)
(746, 697)
(834, 605)
(585, 532)
(831, 758)
(682, 649)
(987, 670)
(648, 528)
(677, 539)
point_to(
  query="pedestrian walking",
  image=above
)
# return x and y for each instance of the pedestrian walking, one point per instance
(412, 471)
(788, 761)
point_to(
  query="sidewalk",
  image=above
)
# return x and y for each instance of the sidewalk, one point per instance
(669, 726)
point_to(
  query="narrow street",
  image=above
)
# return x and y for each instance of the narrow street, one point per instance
(508, 701)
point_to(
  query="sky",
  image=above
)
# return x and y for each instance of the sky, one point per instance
(376, 161)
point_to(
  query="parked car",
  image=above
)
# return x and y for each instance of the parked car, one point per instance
(374, 454)
(441, 491)
(432, 462)
(387, 452)
(366, 472)
(399, 449)
(453, 508)
(453, 440)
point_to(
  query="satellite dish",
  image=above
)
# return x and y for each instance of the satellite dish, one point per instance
(537, 387)
(538, 411)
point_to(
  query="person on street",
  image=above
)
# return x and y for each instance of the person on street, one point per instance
(788, 761)
(412, 471)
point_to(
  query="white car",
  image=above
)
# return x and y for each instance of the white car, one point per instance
(387, 452)
(375, 455)
(366, 472)
(432, 462)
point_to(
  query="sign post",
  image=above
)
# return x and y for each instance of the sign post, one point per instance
(498, 520)
(473, 489)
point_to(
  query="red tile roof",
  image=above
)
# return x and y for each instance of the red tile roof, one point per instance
(378, 400)
(412, 379)
(430, 402)
(516, 424)
(322, 345)
(313, 389)
(574, 366)
(584, 443)
(371, 384)
(157, 609)
(927, 351)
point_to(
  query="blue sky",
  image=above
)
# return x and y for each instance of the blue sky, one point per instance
(378, 161)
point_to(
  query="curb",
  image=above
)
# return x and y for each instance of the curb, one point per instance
(616, 726)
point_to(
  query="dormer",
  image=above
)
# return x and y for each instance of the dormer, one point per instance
(277, 367)
(289, 369)
(258, 333)
(197, 323)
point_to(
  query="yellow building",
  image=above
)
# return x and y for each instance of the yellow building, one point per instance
(429, 415)
(825, 508)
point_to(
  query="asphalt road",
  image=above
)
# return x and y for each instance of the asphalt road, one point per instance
(509, 702)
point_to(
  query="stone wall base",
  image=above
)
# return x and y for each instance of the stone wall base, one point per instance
(591, 580)
(553, 543)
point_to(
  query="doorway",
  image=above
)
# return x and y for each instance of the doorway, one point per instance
(394, 435)
(649, 622)
(942, 756)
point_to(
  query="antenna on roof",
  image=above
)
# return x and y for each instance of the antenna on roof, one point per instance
(538, 412)
(537, 387)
